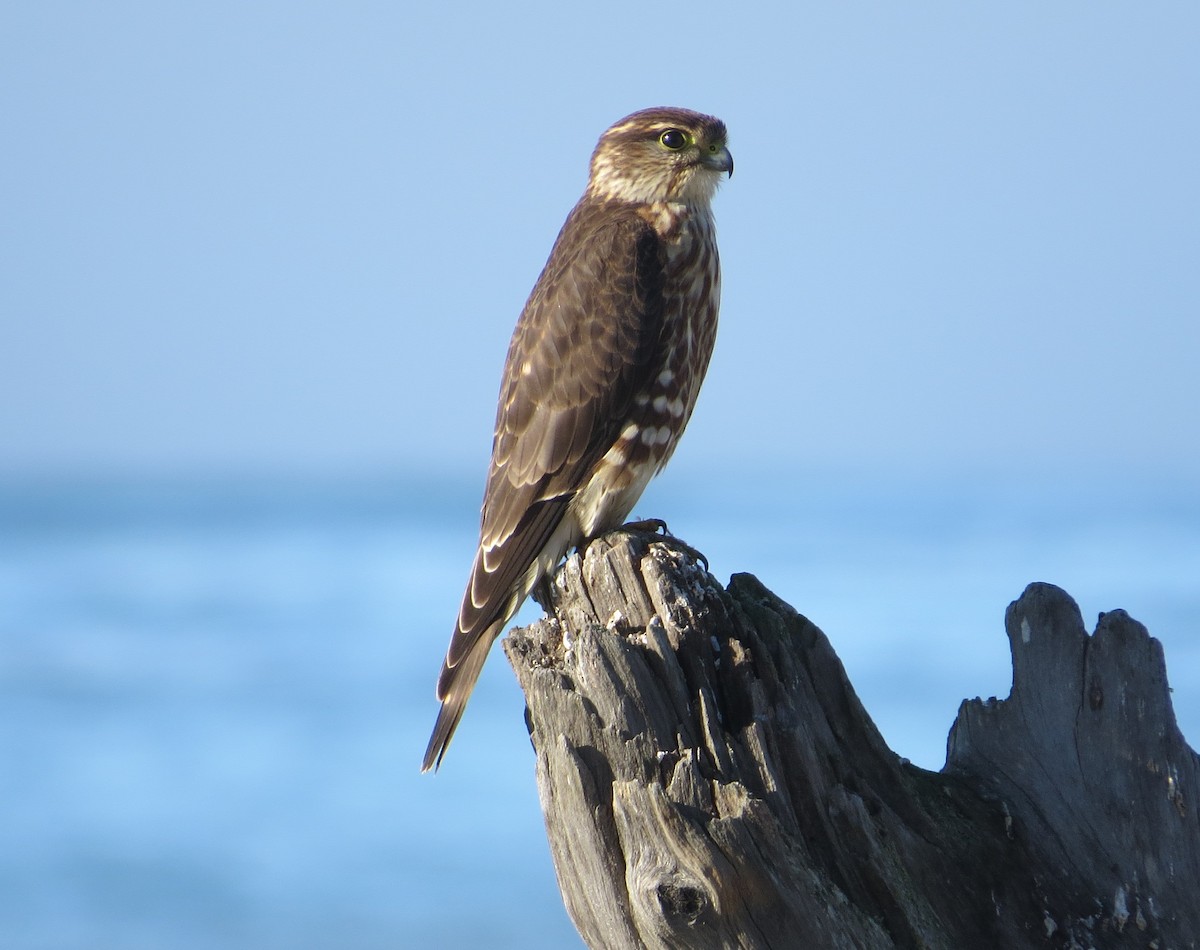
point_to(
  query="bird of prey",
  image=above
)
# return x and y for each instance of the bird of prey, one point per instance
(602, 372)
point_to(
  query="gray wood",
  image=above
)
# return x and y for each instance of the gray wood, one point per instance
(709, 778)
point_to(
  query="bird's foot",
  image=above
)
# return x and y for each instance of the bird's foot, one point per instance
(648, 526)
(655, 526)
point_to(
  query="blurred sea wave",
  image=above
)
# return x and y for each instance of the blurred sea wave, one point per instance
(214, 694)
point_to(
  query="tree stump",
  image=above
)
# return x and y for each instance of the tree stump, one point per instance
(710, 779)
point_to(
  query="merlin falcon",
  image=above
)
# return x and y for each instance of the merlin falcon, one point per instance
(602, 372)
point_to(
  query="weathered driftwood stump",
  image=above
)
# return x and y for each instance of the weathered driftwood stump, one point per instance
(710, 779)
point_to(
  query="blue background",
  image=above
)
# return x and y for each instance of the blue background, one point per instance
(258, 268)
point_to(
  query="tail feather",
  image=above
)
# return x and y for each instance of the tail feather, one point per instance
(454, 689)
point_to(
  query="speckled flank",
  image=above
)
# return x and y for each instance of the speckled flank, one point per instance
(661, 412)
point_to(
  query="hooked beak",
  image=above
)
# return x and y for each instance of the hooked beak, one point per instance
(718, 159)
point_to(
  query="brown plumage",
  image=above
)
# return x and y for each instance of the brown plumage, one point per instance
(602, 372)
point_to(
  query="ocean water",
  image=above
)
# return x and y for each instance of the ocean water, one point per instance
(214, 696)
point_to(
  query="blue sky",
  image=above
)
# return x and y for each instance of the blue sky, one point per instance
(243, 237)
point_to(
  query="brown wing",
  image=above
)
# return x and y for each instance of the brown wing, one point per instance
(585, 344)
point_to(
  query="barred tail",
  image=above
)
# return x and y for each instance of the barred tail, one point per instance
(454, 689)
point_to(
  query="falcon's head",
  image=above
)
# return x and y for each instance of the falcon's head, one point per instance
(661, 154)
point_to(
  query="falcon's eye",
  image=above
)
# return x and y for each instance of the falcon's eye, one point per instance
(673, 139)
